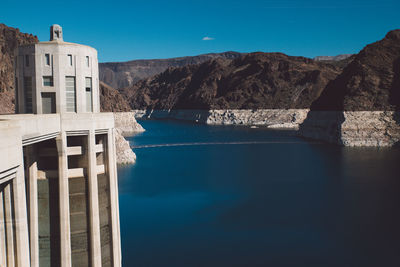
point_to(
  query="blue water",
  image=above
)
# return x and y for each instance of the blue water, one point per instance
(236, 196)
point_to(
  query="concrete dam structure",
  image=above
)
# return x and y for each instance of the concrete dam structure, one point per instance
(58, 175)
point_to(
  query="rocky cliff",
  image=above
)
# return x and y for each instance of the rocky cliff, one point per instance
(10, 38)
(124, 74)
(370, 82)
(111, 100)
(361, 106)
(252, 81)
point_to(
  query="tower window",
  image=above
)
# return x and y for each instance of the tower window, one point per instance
(70, 93)
(28, 94)
(47, 59)
(48, 80)
(70, 60)
(27, 60)
(88, 89)
(87, 61)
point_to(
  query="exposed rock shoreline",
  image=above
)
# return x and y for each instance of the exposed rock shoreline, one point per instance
(353, 128)
(125, 125)
(272, 118)
(348, 128)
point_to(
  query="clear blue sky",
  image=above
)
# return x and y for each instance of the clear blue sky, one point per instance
(126, 30)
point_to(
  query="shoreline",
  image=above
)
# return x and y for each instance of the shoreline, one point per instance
(346, 128)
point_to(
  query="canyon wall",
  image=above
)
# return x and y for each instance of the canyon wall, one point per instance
(353, 128)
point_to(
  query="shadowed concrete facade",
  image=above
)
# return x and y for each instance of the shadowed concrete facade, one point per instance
(58, 177)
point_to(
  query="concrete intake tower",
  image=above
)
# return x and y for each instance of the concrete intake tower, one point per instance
(58, 173)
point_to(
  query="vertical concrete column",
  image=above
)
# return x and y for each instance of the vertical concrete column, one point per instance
(65, 236)
(113, 181)
(95, 244)
(33, 206)
(20, 218)
(9, 226)
(3, 252)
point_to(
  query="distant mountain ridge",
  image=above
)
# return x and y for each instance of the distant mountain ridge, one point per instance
(251, 81)
(124, 74)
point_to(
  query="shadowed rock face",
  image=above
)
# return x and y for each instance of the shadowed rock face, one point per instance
(371, 82)
(124, 74)
(10, 39)
(252, 81)
(111, 100)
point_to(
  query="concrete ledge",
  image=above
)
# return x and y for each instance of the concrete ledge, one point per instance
(74, 151)
(47, 174)
(101, 169)
(8, 175)
(86, 121)
(35, 126)
(75, 173)
(99, 148)
(10, 146)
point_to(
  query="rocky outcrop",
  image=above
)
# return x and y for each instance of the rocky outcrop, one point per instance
(353, 128)
(125, 154)
(370, 82)
(111, 100)
(272, 118)
(124, 74)
(126, 123)
(359, 107)
(252, 81)
(370, 128)
(10, 39)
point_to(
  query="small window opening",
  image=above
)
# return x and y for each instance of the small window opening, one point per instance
(48, 80)
(47, 58)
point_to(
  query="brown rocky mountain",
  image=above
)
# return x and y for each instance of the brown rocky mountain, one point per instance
(370, 82)
(111, 100)
(252, 81)
(10, 38)
(124, 74)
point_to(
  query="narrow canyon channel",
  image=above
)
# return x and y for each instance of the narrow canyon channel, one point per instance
(203, 195)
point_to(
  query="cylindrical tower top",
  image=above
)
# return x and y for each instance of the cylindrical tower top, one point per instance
(57, 77)
(56, 33)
